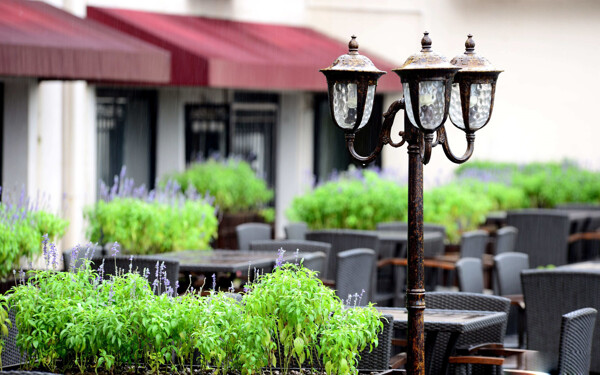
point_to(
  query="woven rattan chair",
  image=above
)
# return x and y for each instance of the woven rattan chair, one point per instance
(345, 239)
(469, 272)
(467, 301)
(573, 351)
(296, 231)
(549, 294)
(506, 239)
(138, 264)
(379, 358)
(354, 275)
(11, 356)
(543, 235)
(473, 244)
(249, 232)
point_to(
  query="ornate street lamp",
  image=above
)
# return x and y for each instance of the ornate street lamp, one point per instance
(433, 87)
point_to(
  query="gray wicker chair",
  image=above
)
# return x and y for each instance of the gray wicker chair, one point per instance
(548, 295)
(469, 272)
(138, 264)
(11, 355)
(379, 358)
(249, 232)
(345, 239)
(506, 239)
(472, 302)
(354, 274)
(473, 244)
(507, 273)
(314, 261)
(403, 226)
(296, 231)
(543, 235)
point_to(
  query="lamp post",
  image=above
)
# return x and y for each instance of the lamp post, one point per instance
(433, 88)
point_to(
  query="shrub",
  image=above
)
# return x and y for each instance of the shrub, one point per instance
(356, 200)
(158, 221)
(78, 320)
(22, 226)
(544, 184)
(234, 185)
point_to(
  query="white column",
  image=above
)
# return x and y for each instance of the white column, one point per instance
(48, 140)
(79, 157)
(294, 152)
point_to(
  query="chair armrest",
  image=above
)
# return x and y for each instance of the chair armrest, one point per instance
(477, 360)
(398, 360)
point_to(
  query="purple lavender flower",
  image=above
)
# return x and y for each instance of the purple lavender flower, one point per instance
(111, 294)
(232, 288)
(115, 249)
(74, 253)
(214, 278)
(146, 273)
(279, 261)
(22, 276)
(130, 263)
(45, 249)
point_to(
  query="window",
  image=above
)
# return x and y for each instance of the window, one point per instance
(206, 131)
(126, 123)
(330, 152)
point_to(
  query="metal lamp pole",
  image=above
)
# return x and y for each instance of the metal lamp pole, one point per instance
(434, 88)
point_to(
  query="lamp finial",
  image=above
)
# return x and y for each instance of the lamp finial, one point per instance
(426, 42)
(470, 44)
(353, 46)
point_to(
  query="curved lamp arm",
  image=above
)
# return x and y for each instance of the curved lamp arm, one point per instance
(443, 140)
(384, 138)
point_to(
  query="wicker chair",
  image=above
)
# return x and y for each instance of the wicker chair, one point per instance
(473, 244)
(11, 355)
(296, 231)
(403, 226)
(138, 264)
(354, 274)
(574, 349)
(345, 239)
(506, 239)
(249, 232)
(543, 235)
(548, 295)
(379, 358)
(469, 272)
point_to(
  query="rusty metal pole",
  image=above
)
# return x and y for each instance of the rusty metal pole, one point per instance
(415, 291)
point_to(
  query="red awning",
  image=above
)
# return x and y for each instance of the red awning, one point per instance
(224, 53)
(39, 40)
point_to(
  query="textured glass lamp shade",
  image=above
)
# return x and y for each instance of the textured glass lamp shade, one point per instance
(431, 104)
(480, 104)
(345, 102)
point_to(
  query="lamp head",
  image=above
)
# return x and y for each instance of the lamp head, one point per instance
(426, 79)
(351, 82)
(473, 90)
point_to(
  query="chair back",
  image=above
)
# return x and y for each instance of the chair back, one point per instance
(314, 261)
(576, 332)
(507, 270)
(340, 240)
(124, 264)
(466, 301)
(296, 231)
(469, 272)
(543, 235)
(354, 274)
(249, 232)
(506, 239)
(11, 354)
(473, 244)
(548, 295)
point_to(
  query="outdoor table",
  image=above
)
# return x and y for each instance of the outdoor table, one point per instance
(233, 261)
(455, 322)
(393, 244)
(591, 266)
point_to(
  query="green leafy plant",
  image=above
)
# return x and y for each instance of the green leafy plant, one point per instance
(152, 222)
(233, 184)
(78, 321)
(356, 200)
(22, 226)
